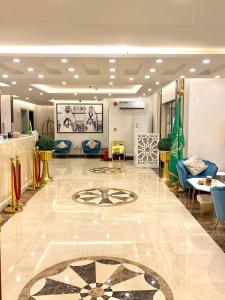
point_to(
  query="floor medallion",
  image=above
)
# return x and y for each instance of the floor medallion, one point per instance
(106, 170)
(97, 278)
(105, 196)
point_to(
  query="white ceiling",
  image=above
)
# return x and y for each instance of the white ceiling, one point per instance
(88, 33)
(94, 76)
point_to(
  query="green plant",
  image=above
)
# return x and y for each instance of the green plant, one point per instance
(164, 144)
(45, 144)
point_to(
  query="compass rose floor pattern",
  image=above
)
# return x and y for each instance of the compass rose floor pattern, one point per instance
(107, 170)
(105, 196)
(97, 278)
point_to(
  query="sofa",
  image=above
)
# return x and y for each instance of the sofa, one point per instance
(62, 147)
(91, 150)
(184, 174)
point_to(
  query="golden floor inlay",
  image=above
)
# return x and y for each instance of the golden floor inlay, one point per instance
(97, 278)
(107, 170)
(105, 196)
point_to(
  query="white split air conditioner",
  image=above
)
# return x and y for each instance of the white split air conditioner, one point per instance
(132, 105)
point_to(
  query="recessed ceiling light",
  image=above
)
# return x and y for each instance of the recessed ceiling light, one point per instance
(131, 78)
(30, 89)
(30, 69)
(13, 82)
(149, 90)
(64, 60)
(71, 69)
(157, 83)
(147, 77)
(112, 70)
(152, 70)
(27, 98)
(143, 94)
(109, 94)
(111, 83)
(5, 76)
(16, 60)
(112, 60)
(182, 76)
(76, 76)
(112, 76)
(95, 97)
(40, 76)
(206, 61)
(64, 83)
(75, 94)
(159, 61)
(192, 70)
(217, 76)
(15, 96)
(41, 94)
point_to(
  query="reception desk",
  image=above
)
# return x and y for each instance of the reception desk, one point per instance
(21, 146)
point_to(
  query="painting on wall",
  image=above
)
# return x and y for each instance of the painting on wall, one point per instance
(79, 118)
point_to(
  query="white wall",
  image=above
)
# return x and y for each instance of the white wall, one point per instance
(77, 138)
(205, 119)
(17, 106)
(43, 113)
(6, 122)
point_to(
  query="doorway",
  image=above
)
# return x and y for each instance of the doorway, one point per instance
(24, 121)
(31, 118)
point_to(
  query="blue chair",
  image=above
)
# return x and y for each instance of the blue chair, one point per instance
(87, 150)
(184, 174)
(218, 196)
(63, 151)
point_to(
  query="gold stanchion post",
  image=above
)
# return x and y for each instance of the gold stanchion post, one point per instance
(13, 208)
(35, 184)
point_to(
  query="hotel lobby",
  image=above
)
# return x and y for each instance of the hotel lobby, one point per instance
(112, 138)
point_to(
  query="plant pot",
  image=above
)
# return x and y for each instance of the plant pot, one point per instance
(165, 158)
(45, 156)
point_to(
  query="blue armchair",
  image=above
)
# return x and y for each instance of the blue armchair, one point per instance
(63, 151)
(184, 174)
(87, 150)
(218, 196)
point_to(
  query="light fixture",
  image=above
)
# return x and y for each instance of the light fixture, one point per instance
(112, 76)
(217, 76)
(152, 70)
(111, 83)
(149, 90)
(71, 69)
(95, 97)
(109, 94)
(41, 76)
(30, 89)
(16, 60)
(112, 60)
(143, 94)
(159, 61)
(75, 94)
(147, 77)
(76, 76)
(112, 70)
(131, 78)
(157, 83)
(182, 76)
(206, 61)
(192, 70)
(27, 98)
(5, 76)
(64, 83)
(41, 94)
(13, 82)
(64, 60)
(30, 69)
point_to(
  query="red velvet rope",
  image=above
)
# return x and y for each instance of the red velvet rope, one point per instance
(38, 168)
(17, 184)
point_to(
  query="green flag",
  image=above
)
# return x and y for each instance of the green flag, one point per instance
(177, 143)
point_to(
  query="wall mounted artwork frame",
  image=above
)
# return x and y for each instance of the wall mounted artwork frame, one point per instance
(79, 117)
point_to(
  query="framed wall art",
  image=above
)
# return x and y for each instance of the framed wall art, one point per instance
(79, 118)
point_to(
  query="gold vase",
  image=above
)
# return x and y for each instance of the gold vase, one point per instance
(45, 156)
(165, 158)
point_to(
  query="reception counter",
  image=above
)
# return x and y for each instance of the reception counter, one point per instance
(21, 146)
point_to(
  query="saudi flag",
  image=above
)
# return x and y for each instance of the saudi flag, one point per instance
(177, 143)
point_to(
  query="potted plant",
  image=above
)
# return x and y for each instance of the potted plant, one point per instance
(164, 147)
(46, 148)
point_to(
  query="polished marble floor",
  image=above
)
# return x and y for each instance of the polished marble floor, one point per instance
(155, 231)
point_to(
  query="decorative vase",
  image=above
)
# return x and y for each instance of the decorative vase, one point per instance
(45, 156)
(165, 158)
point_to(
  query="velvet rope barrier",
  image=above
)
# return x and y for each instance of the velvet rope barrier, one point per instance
(17, 181)
(37, 168)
